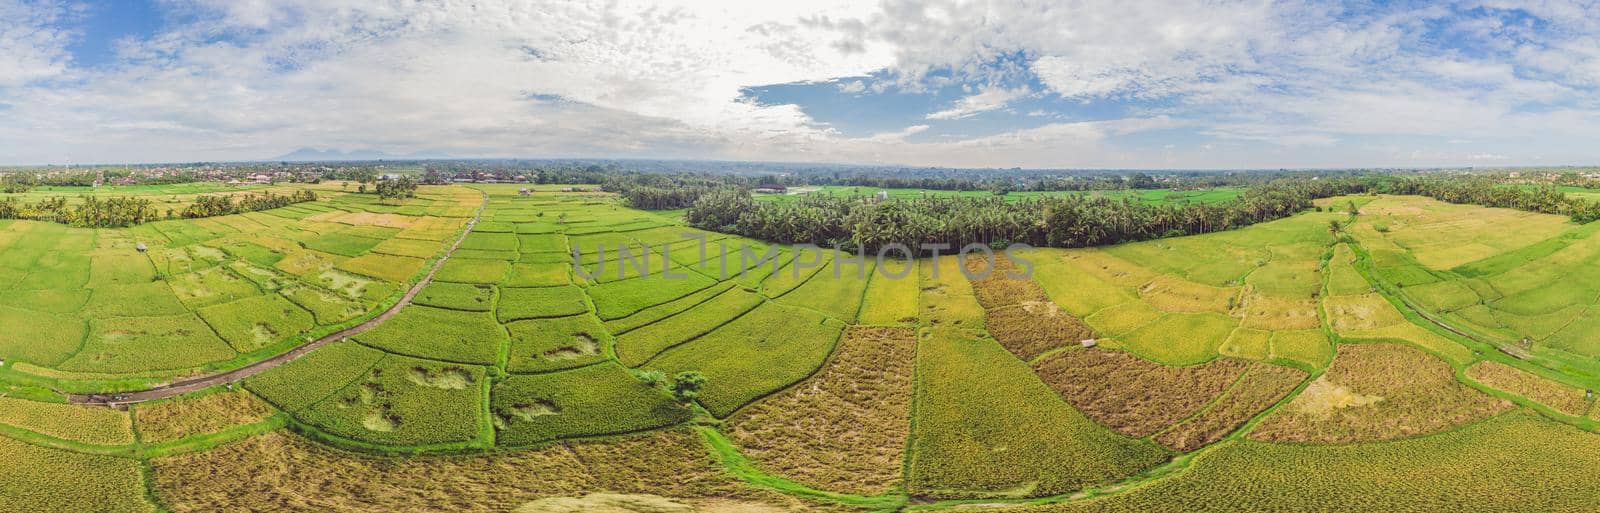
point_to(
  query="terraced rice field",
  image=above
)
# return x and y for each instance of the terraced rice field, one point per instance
(1278, 367)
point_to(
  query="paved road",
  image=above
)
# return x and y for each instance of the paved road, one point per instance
(178, 388)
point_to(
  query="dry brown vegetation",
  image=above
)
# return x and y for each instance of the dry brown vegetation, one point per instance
(1131, 395)
(844, 429)
(1261, 387)
(997, 289)
(281, 473)
(1562, 398)
(210, 413)
(1378, 392)
(1019, 314)
(1031, 329)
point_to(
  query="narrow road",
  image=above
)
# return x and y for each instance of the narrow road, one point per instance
(178, 388)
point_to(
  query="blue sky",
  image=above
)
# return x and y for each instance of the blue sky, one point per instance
(927, 82)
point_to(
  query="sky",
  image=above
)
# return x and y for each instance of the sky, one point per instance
(1046, 84)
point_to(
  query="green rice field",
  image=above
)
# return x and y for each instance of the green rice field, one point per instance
(1419, 357)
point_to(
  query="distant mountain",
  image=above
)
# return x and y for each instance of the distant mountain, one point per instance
(314, 154)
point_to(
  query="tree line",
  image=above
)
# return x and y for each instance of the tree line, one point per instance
(1076, 220)
(123, 211)
(91, 212)
(1490, 192)
(1071, 220)
(221, 205)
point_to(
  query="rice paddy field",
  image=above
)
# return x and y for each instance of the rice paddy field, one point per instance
(450, 352)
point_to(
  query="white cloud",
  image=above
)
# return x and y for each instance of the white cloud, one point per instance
(31, 48)
(987, 99)
(1266, 83)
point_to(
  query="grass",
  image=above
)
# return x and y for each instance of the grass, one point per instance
(1309, 347)
(326, 307)
(595, 400)
(457, 296)
(618, 299)
(1181, 338)
(1444, 472)
(96, 483)
(1251, 344)
(538, 275)
(39, 338)
(636, 347)
(655, 313)
(473, 270)
(984, 426)
(211, 286)
(404, 401)
(891, 296)
(838, 297)
(1173, 294)
(1132, 396)
(765, 350)
(253, 323)
(947, 298)
(1343, 279)
(436, 333)
(1076, 289)
(83, 424)
(383, 267)
(560, 343)
(537, 303)
(142, 344)
(844, 429)
(304, 381)
(1377, 392)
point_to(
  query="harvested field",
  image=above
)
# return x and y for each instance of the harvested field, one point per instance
(1364, 312)
(986, 426)
(1033, 328)
(1375, 392)
(998, 288)
(844, 429)
(1559, 397)
(184, 417)
(292, 475)
(1133, 396)
(1262, 386)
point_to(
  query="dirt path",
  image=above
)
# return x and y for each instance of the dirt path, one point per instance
(178, 388)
